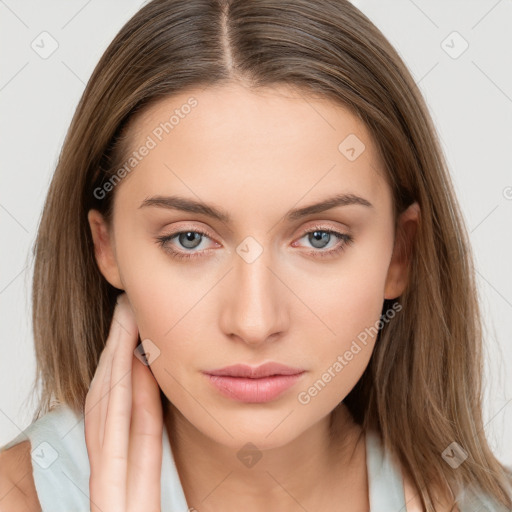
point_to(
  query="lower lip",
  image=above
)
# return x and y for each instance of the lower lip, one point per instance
(248, 390)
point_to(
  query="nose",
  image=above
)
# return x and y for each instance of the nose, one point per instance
(255, 302)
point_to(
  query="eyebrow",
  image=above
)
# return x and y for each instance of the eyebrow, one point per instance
(191, 206)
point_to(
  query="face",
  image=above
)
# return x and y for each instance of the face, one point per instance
(267, 280)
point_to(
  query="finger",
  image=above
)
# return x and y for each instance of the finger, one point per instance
(96, 406)
(121, 319)
(122, 341)
(145, 453)
(94, 416)
(104, 396)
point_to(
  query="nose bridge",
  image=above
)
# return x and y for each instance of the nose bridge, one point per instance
(255, 307)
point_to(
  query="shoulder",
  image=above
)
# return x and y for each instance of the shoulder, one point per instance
(413, 501)
(49, 454)
(17, 488)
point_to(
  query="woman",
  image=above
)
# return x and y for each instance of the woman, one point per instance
(263, 182)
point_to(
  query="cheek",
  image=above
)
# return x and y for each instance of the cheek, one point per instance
(348, 300)
(359, 305)
(162, 292)
(169, 304)
(162, 318)
(349, 304)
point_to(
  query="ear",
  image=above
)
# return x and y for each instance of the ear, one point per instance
(104, 249)
(398, 270)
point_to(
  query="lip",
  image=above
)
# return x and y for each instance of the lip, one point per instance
(249, 384)
(255, 372)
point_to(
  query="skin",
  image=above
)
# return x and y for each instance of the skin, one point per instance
(123, 424)
(257, 155)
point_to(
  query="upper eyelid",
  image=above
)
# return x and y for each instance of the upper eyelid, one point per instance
(315, 223)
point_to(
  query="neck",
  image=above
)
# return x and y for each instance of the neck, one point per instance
(323, 460)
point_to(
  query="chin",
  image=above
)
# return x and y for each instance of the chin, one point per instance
(264, 426)
(247, 439)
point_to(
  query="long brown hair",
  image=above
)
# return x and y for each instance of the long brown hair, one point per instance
(422, 389)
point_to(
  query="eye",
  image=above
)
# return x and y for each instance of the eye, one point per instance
(320, 237)
(190, 239)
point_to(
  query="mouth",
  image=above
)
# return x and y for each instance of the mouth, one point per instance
(260, 384)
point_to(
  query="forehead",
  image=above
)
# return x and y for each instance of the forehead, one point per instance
(226, 142)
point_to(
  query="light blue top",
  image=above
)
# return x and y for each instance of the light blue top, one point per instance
(61, 469)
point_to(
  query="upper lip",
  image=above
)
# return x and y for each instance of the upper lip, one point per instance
(254, 372)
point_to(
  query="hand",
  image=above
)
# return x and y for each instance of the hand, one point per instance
(123, 424)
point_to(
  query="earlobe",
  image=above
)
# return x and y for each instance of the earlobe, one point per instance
(398, 270)
(104, 249)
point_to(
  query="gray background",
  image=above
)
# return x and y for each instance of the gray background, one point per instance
(469, 95)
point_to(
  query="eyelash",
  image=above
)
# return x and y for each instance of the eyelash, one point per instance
(345, 241)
